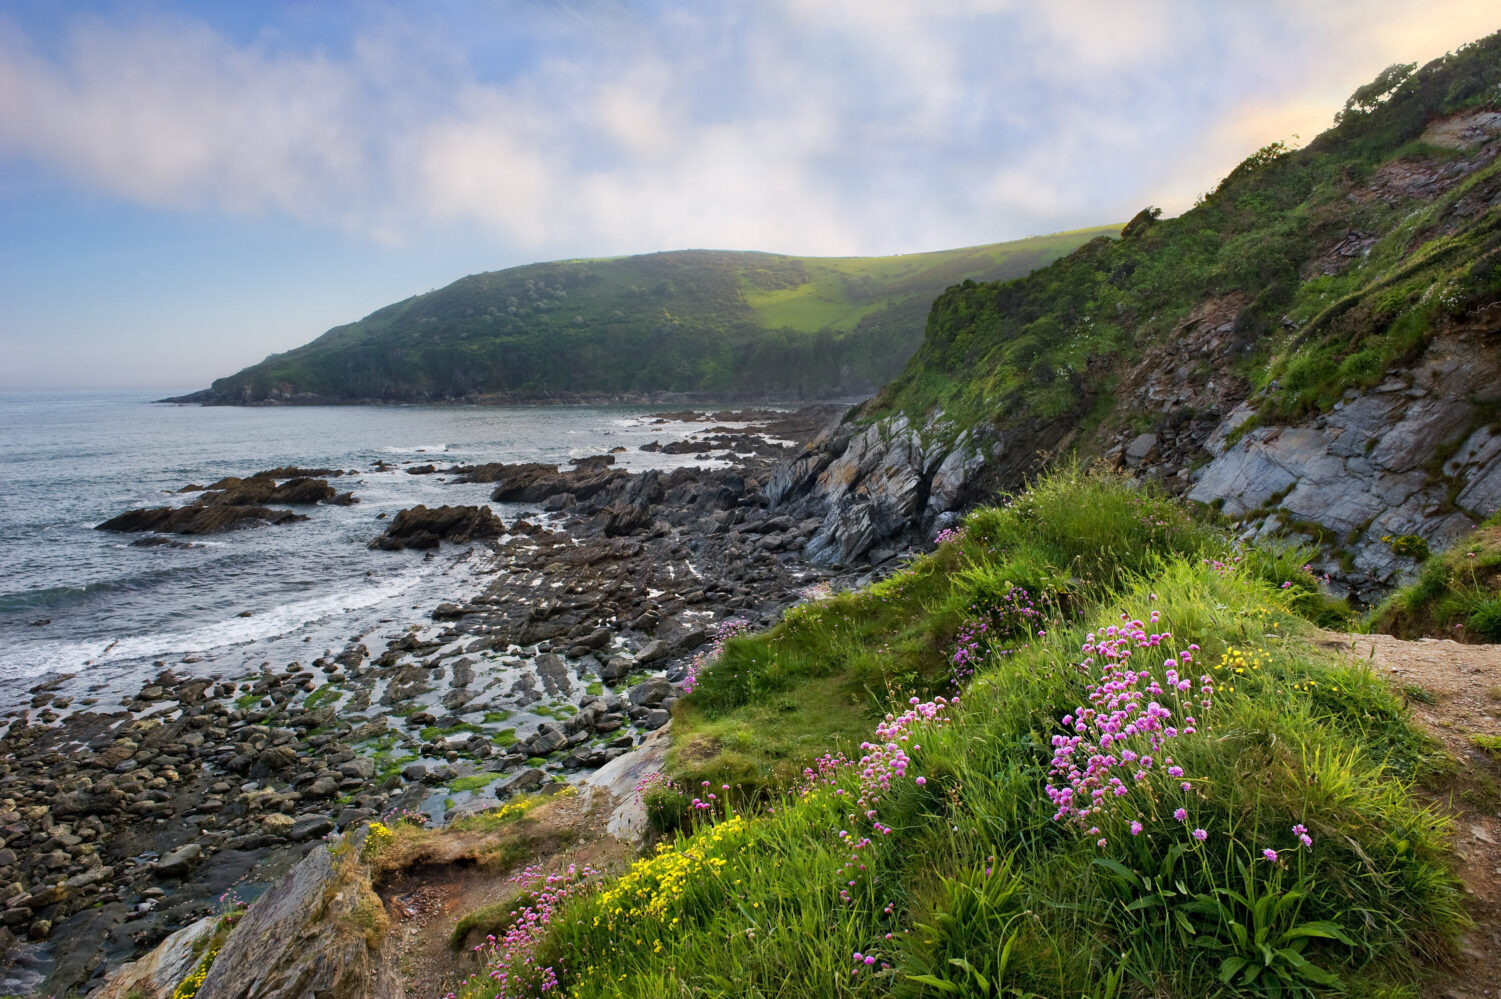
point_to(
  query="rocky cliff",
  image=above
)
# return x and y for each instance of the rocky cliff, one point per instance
(1312, 350)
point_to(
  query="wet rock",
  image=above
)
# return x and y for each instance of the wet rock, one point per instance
(179, 862)
(420, 527)
(197, 519)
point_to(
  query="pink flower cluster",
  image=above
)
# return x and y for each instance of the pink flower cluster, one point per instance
(950, 534)
(885, 762)
(508, 960)
(1120, 737)
(728, 629)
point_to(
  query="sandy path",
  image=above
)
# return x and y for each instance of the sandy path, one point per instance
(1454, 692)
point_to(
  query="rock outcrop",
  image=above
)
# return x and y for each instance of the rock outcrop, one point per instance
(1416, 455)
(196, 519)
(317, 933)
(234, 502)
(875, 487)
(420, 527)
(157, 974)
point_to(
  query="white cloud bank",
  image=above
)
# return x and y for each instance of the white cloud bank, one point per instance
(835, 126)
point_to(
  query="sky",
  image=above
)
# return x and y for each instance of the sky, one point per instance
(186, 187)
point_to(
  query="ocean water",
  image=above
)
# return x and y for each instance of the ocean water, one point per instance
(89, 604)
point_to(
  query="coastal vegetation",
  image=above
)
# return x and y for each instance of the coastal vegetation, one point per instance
(701, 321)
(1327, 265)
(1140, 778)
(1457, 594)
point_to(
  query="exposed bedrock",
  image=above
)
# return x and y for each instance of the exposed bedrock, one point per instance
(1416, 455)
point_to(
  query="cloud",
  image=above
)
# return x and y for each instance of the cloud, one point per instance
(810, 125)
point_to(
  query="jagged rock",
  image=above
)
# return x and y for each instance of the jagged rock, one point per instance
(549, 739)
(420, 527)
(1141, 448)
(653, 651)
(527, 780)
(650, 692)
(1363, 471)
(197, 519)
(308, 936)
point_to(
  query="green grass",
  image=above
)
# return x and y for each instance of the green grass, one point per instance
(815, 681)
(978, 890)
(1457, 595)
(431, 733)
(496, 717)
(1490, 743)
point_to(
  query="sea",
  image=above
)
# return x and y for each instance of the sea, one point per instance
(103, 614)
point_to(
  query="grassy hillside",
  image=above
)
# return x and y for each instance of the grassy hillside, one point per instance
(1329, 264)
(690, 321)
(1271, 845)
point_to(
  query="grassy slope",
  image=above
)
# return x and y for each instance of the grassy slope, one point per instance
(1458, 594)
(1054, 344)
(977, 889)
(694, 320)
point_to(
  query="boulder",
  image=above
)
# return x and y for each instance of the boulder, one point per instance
(179, 862)
(310, 825)
(651, 691)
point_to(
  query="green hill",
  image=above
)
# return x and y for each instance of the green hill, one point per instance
(690, 321)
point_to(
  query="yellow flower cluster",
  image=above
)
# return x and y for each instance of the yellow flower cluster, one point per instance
(189, 986)
(654, 885)
(376, 840)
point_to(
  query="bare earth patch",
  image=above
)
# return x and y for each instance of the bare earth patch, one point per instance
(1454, 692)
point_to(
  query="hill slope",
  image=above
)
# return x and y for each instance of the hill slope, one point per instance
(1313, 346)
(690, 321)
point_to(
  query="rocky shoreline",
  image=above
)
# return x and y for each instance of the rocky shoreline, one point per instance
(121, 826)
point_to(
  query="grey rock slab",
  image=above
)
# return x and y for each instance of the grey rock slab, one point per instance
(156, 974)
(308, 826)
(302, 939)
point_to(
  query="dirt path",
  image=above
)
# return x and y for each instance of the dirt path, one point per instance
(458, 873)
(1454, 692)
